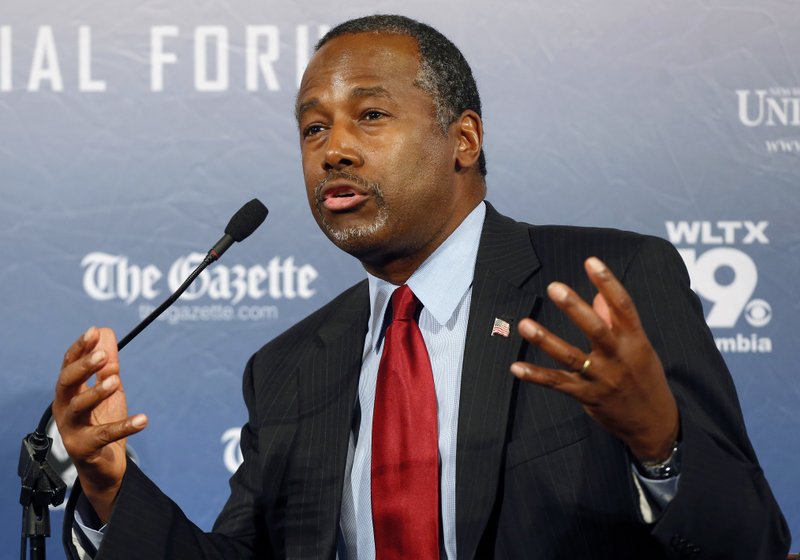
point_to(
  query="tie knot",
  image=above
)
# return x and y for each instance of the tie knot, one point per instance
(404, 304)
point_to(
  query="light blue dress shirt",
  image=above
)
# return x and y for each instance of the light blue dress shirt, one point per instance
(443, 284)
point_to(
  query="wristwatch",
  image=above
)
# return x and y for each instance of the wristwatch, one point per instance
(662, 470)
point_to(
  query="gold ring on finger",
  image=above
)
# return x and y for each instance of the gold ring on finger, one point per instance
(585, 366)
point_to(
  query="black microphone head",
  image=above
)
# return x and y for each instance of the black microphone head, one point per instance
(246, 220)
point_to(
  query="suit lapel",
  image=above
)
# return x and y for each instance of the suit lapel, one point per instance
(505, 262)
(327, 388)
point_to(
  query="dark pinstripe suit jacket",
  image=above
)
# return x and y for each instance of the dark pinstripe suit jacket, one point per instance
(536, 477)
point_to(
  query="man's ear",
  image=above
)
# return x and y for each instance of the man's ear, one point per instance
(469, 135)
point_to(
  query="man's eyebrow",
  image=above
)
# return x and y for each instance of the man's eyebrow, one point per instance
(374, 91)
(301, 108)
(356, 93)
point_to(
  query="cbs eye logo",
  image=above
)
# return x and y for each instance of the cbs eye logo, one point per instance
(727, 278)
(232, 457)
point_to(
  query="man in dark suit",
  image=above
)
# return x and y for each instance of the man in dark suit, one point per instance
(618, 435)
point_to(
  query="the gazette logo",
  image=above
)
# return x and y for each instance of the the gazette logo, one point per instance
(229, 289)
(723, 273)
(776, 108)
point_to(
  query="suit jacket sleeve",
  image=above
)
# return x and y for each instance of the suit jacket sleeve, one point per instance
(148, 524)
(566, 489)
(724, 505)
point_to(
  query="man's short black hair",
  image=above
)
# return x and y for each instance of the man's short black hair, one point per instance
(444, 72)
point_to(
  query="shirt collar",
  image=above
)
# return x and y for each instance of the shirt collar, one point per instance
(440, 282)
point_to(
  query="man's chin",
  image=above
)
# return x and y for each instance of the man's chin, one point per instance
(360, 242)
(355, 239)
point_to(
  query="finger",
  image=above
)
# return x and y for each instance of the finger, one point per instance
(115, 431)
(84, 344)
(107, 342)
(573, 358)
(90, 398)
(560, 380)
(73, 376)
(84, 443)
(621, 308)
(583, 315)
(600, 307)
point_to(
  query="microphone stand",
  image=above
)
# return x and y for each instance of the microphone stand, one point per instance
(42, 487)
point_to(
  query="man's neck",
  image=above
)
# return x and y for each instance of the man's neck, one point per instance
(396, 269)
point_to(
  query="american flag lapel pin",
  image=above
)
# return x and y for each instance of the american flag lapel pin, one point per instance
(501, 328)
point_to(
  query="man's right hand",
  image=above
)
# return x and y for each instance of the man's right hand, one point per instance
(93, 420)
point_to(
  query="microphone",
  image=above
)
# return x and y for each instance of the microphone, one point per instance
(41, 485)
(242, 224)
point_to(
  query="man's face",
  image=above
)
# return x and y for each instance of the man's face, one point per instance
(379, 170)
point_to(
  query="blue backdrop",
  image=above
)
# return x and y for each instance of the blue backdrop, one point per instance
(131, 131)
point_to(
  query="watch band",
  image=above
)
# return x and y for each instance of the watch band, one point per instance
(662, 470)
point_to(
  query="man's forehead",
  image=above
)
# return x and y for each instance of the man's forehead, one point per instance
(360, 65)
(369, 41)
(362, 55)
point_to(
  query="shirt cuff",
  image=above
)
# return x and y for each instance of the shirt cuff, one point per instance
(654, 495)
(87, 521)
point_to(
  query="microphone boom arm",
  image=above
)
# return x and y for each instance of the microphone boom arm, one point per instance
(167, 302)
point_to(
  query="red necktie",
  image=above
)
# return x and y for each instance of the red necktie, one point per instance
(405, 451)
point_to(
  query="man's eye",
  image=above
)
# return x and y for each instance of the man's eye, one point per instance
(311, 130)
(373, 115)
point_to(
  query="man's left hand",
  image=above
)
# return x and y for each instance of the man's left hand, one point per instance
(621, 382)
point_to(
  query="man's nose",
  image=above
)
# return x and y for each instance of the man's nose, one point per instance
(342, 149)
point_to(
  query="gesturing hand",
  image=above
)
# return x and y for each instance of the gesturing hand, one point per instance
(93, 421)
(621, 382)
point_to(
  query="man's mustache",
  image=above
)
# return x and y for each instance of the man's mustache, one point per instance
(371, 188)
